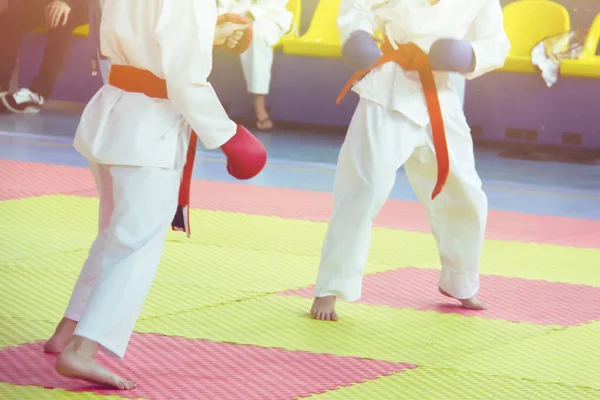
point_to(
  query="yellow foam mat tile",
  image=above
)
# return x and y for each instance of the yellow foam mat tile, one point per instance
(297, 237)
(592, 326)
(270, 246)
(383, 333)
(37, 294)
(61, 262)
(570, 357)
(46, 225)
(167, 299)
(241, 268)
(425, 384)
(17, 331)
(14, 392)
(43, 294)
(541, 262)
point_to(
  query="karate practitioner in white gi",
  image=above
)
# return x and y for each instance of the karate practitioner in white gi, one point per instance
(136, 146)
(271, 20)
(391, 128)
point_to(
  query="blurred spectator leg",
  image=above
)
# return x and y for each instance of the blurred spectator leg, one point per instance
(257, 62)
(58, 47)
(16, 20)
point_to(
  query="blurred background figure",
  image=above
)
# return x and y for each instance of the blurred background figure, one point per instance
(271, 20)
(95, 21)
(60, 17)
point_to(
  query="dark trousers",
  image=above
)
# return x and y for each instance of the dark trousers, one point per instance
(23, 17)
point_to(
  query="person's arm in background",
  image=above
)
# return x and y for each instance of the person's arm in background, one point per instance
(186, 34)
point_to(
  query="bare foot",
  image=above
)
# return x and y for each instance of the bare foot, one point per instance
(61, 336)
(471, 304)
(323, 309)
(77, 362)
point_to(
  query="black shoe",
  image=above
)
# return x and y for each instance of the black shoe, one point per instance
(23, 101)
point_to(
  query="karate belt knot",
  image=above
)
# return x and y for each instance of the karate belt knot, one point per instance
(410, 57)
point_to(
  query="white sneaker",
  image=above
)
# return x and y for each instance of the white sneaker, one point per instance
(23, 101)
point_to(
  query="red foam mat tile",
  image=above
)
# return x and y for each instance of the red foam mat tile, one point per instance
(26, 179)
(31, 179)
(510, 299)
(396, 214)
(176, 368)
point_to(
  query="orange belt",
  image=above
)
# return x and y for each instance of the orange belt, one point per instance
(411, 58)
(135, 80)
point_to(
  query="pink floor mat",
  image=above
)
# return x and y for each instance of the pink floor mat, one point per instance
(510, 299)
(175, 368)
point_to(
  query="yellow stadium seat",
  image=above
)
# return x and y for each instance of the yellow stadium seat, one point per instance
(322, 38)
(82, 31)
(526, 24)
(588, 63)
(295, 7)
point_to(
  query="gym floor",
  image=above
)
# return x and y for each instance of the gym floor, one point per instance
(227, 316)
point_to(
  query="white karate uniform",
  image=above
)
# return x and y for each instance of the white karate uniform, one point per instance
(272, 20)
(136, 146)
(390, 128)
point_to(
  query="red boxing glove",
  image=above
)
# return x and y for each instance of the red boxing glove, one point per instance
(246, 156)
(245, 41)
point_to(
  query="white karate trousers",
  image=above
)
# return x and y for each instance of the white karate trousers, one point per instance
(257, 61)
(379, 141)
(137, 205)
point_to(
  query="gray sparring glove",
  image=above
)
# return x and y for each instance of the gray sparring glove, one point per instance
(452, 55)
(360, 51)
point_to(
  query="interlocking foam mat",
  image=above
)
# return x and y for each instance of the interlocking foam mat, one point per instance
(227, 316)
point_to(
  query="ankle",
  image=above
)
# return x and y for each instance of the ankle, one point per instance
(83, 347)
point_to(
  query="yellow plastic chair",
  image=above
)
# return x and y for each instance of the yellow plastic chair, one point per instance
(81, 31)
(322, 38)
(588, 63)
(528, 22)
(295, 7)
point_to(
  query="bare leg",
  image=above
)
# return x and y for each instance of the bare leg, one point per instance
(61, 337)
(263, 120)
(323, 309)
(257, 63)
(77, 362)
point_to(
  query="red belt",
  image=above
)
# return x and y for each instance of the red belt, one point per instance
(135, 80)
(411, 58)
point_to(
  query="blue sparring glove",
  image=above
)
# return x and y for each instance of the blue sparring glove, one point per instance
(360, 51)
(452, 55)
